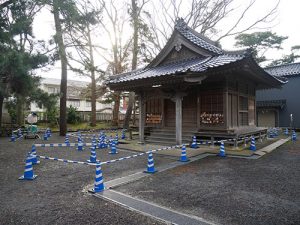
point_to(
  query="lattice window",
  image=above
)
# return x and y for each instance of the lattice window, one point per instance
(243, 118)
(243, 103)
(243, 111)
(212, 108)
(153, 112)
(251, 112)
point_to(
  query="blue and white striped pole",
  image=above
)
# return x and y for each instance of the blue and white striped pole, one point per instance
(48, 132)
(150, 165)
(94, 142)
(33, 155)
(294, 137)
(183, 157)
(79, 137)
(276, 132)
(222, 152)
(252, 145)
(13, 138)
(271, 134)
(194, 142)
(28, 173)
(93, 156)
(98, 185)
(113, 149)
(286, 132)
(99, 144)
(19, 133)
(117, 139)
(45, 136)
(80, 146)
(67, 141)
(123, 135)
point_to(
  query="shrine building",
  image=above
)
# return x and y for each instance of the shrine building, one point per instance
(194, 87)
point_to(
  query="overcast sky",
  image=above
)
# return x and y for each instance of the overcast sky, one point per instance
(287, 23)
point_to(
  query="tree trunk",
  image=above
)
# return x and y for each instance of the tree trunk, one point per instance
(93, 84)
(1, 106)
(131, 99)
(115, 120)
(64, 75)
(20, 111)
(93, 99)
(117, 70)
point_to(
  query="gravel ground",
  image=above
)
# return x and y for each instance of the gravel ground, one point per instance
(56, 196)
(230, 190)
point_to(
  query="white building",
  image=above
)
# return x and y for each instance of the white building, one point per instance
(74, 97)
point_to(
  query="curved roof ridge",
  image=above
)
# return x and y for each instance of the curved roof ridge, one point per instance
(196, 37)
(245, 51)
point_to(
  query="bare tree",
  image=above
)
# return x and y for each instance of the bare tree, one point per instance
(113, 24)
(205, 17)
(135, 13)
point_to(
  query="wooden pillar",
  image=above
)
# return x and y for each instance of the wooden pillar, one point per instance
(178, 108)
(238, 104)
(226, 106)
(163, 112)
(142, 115)
(212, 141)
(236, 142)
(198, 110)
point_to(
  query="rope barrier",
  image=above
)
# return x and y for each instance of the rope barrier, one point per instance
(65, 160)
(109, 161)
(204, 142)
(62, 145)
(88, 133)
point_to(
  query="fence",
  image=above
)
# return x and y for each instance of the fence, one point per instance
(85, 116)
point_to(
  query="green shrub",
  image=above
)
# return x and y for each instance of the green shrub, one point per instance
(52, 115)
(73, 116)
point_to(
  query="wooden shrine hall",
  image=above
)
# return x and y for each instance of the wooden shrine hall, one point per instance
(193, 87)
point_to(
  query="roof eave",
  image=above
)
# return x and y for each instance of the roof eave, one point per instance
(265, 79)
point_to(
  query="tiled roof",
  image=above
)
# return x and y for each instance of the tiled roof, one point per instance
(284, 70)
(193, 65)
(271, 103)
(196, 38)
(209, 55)
(72, 83)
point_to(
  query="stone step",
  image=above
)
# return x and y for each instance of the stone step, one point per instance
(168, 135)
(161, 142)
(166, 138)
(173, 131)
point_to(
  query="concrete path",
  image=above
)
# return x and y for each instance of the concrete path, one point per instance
(271, 147)
(138, 175)
(157, 211)
(150, 209)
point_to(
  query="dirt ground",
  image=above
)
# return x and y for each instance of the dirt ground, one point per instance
(56, 196)
(230, 190)
(225, 191)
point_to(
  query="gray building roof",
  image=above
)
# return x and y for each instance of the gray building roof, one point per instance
(286, 70)
(217, 57)
(271, 103)
(190, 52)
(71, 83)
(192, 65)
